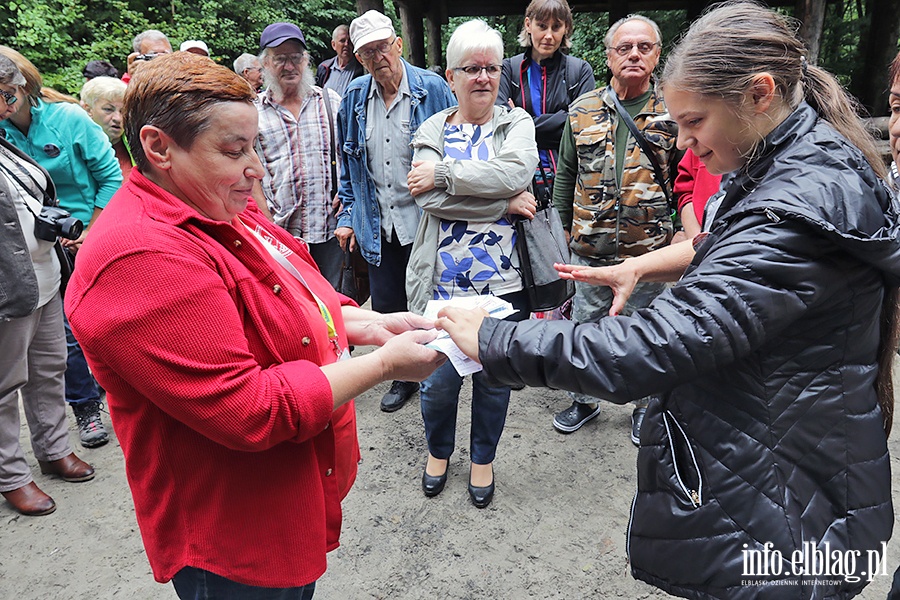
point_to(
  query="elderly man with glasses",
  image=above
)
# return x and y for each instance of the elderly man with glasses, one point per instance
(297, 145)
(607, 190)
(379, 114)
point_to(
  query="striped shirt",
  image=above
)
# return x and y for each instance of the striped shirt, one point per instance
(296, 154)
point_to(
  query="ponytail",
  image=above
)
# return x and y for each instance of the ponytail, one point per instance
(823, 92)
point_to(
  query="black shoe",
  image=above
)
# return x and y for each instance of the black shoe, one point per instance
(575, 416)
(481, 496)
(400, 392)
(637, 419)
(433, 485)
(90, 427)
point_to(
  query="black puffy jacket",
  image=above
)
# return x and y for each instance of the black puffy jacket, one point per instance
(768, 429)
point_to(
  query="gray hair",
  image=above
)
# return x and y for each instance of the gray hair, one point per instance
(244, 61)
(337, 31)
(607, 40)
(473, 36)
(150, 34)
(102, 88)
(10, 73)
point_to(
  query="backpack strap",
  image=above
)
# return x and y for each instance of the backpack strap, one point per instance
(570, 77)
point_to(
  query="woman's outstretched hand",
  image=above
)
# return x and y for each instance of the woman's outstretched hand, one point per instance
(462, 325)
(620, 278)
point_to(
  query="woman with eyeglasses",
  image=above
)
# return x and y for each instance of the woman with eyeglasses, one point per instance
(471, 166)
(32, 336)
(544, 79)
(63, 139)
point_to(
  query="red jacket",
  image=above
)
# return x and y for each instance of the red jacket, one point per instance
(236, 462)
(695, 184)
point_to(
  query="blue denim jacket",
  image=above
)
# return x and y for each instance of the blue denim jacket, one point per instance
(360, 210)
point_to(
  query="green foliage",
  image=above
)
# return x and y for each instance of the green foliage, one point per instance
(61, 36)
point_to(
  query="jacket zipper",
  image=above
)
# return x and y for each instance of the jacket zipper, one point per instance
(628, 530)
(695, 496)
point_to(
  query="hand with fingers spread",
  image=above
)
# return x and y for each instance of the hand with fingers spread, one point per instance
(620, 278)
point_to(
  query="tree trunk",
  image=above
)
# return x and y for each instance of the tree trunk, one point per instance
(364, 5)
(878, 48)
(811, 14)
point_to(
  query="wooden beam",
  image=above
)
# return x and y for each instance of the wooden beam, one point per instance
(366, 5)
(435, 16)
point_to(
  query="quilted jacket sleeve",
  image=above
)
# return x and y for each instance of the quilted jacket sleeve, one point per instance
(745, 288)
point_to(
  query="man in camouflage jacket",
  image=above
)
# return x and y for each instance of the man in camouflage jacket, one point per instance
(605, 189)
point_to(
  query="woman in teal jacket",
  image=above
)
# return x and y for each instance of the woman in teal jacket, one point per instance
(61, 137)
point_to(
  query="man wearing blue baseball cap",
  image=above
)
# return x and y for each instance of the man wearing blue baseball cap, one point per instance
(297, 144)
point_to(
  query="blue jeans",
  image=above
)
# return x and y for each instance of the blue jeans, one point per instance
(440, 400)
(80, 384)
(387, 281)
(192, 583)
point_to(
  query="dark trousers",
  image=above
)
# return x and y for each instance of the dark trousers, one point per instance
(192, 583)
(387, 281)
(80, 384)
(440, 402)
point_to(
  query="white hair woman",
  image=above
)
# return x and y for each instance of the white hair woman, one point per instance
(102, 98)
(471, 166)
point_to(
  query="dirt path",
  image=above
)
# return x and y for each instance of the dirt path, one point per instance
(556, 528)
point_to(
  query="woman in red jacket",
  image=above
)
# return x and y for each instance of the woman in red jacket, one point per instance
(223, 351)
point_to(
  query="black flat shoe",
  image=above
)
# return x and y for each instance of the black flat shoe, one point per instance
(481, 496)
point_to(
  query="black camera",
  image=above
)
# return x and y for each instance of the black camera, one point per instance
(55, 222)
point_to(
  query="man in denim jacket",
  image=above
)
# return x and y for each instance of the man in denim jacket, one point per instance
(379, 114)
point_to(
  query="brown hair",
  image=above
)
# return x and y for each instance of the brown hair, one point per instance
(548, 11)
(721, 55)
(34, 83)
(33, 80)
(895, 70)
(726, 48)
(176, 93)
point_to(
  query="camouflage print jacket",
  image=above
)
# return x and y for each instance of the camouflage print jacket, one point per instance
(611, 222)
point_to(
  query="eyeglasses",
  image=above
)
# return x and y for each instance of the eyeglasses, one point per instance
(474, 71)
(10, 98)
(295, 58)
(382, 49)
(643, 47)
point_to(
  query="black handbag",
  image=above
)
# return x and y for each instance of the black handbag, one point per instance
(540, 242)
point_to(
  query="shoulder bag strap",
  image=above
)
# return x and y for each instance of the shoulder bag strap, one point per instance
(642, 142)
(332, 155)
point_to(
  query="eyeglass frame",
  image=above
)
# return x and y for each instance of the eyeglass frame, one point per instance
(632, 46)
(10, 98)
(477, 74)
(275, 59)
(383, 48)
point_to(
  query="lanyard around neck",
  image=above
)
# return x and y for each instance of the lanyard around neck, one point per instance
(290, 268)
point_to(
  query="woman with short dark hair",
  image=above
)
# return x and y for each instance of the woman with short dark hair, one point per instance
(224, 352)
